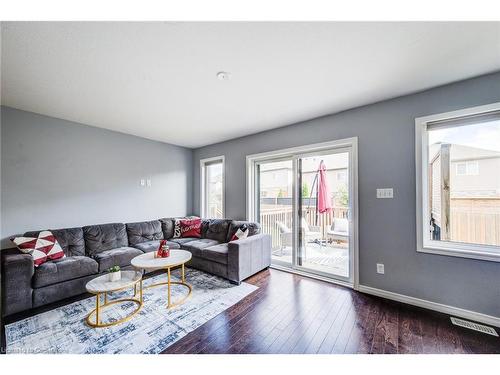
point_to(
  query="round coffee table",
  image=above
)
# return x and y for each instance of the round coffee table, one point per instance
(177, 258)
(102, 285)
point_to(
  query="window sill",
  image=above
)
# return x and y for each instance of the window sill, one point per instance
(488, 253)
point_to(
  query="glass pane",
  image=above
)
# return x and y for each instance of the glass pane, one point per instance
(324, 236)
(464, 183)
(275, 207)
(214, 201)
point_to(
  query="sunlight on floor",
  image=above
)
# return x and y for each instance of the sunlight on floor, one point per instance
(329, 258)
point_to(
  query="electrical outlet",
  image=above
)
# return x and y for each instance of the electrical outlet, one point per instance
(385, 193)
(380, 268)
(143, 182)
(148, 182)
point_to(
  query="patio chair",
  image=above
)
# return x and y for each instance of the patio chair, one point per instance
(339, 231)
(285, 235)
(309, 234)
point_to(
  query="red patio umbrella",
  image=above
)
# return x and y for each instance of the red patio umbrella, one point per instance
(323, 198)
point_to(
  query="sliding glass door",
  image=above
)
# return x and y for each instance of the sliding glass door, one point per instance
(275, 206)
(305, 201)
(323, 233)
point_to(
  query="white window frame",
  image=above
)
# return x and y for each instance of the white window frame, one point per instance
(424, 243)
(468, 168)
(203, 164)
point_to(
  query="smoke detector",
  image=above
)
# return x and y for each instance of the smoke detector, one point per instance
(223, 76)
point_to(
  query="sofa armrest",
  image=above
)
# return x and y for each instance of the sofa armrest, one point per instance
(17, 272)
(248, 256)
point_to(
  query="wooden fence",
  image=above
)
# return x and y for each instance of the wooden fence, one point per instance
(474, 220)
(271, 215)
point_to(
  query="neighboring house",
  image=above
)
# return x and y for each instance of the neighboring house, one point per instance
(276, 178)
(474, 190)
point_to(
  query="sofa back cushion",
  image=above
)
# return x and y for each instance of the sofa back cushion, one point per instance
(215, 229)
(70, 239)
(99, 238)
(144, 231)
(253, 228)
(167, 227)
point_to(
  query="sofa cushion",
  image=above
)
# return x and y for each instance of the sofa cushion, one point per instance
(99, 238)
(253, 228)
(196, 246)
(68, 268)
(216, 229)
(154, 245)
(182, 241)
(217, 253)
(70, 239)
(167, 227)
(116, 257)
(144, 231)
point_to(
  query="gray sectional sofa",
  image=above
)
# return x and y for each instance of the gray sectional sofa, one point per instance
(95, 248)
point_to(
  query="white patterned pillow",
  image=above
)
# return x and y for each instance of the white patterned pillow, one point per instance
(42, 248)
(177, 228)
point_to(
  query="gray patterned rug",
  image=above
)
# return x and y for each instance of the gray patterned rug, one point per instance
(152, 330)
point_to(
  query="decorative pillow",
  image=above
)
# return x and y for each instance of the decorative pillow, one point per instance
(177, 225)
(190, 227)
(241, 233)
(42, 248)
(177, 228)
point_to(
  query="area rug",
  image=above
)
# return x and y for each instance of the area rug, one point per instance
(152, 330)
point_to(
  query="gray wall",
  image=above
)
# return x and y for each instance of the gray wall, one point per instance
(386, 159)
(58, 174)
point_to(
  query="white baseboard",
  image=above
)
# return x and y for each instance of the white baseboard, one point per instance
(450, 310)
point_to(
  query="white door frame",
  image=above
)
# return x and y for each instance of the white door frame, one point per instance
(293, 152)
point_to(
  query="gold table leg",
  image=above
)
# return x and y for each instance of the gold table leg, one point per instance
(97, 300)
(140, 293)
(98, 307)
(168, 284)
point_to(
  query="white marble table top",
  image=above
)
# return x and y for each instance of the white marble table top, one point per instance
(101, 284)
(147, 261)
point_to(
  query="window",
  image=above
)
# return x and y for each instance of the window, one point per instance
(458, 183)
(461, 169)
(212, 187)
(469, 168)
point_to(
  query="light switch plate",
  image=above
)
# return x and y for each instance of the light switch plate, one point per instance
(143, 182)
(148, 182)
(380, 268)
(385, 193)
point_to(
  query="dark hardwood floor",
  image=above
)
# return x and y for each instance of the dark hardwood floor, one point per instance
(295, 314)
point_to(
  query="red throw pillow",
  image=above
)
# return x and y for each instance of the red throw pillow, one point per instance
(42, 248)
(190, 227)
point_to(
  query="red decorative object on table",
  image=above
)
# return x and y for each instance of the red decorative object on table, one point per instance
(163, 250)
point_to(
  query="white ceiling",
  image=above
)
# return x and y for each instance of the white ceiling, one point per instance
(158, 79)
